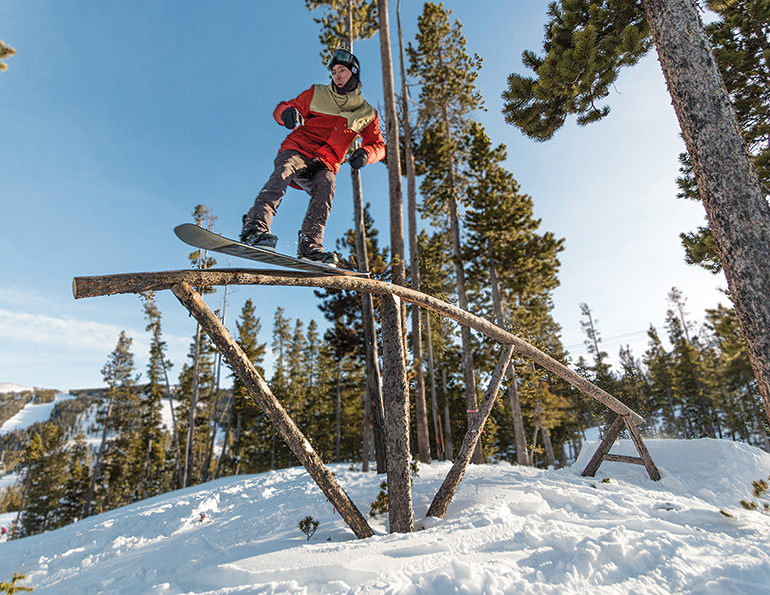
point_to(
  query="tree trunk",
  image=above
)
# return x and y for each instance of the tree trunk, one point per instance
(395, 393)
(373, 392)
(398, 268)
(421, 414)
(448, 446)
(522, 456)
(736, 207)
(440, 451)
(188, 449)
(281, 421)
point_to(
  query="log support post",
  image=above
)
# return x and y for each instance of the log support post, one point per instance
(447, 490)
(603, 452)
(395, 396)
(261, 393)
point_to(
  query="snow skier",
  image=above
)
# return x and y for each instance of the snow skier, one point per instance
(324, 120)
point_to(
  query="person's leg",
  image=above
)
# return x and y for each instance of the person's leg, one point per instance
(321, 189)
(260, 217)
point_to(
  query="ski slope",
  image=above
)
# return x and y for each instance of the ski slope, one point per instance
(508, 530)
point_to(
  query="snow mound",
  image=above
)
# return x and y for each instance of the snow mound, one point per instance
(508, 530)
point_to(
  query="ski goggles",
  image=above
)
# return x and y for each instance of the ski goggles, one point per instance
(345, 58)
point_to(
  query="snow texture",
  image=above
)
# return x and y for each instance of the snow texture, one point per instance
(32, 413)
(509, 530)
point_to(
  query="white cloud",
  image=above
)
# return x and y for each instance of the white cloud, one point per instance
(40, 329)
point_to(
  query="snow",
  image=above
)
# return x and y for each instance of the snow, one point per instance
(9, 387)
(31, 414)
(509, 529)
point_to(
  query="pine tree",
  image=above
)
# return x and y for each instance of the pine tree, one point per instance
(200, 259)
(444, 360)
(246, 416)
(114, 416)
(6, 51)
(663, 403)
(279, 383)
(448, 96)
(512, 267)
(740, 38)
(741, 403)
(346, 310)
(45, 462)
(344, 22)
(688, 384)
(152, 457)
(196, 386)
(586, 43)
(78, 481)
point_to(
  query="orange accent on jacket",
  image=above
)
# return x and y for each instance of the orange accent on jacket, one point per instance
(332, 122)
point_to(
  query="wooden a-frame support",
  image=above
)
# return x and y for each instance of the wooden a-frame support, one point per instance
(395, 388)
(603, 452)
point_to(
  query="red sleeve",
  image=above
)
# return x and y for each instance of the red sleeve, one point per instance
(372, 142)
(302, 103)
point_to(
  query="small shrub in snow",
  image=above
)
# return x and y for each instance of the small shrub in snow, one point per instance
(760, 492)
(380, 505)
(12, 587)
(308, 526)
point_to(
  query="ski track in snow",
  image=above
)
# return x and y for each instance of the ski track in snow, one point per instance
(508, 530)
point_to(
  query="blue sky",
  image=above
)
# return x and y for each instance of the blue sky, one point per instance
(118, 118)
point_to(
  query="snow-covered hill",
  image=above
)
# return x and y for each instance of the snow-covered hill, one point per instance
(508, 530)
(32, 413)
(9, 387)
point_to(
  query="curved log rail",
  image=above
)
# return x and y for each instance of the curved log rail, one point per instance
(394, 384)
(83, 287)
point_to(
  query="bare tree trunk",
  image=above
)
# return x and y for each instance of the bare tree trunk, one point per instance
(177, 450)
(398, 268)
(735, 204)
(421, 414)
(339, 407)
(395, 392)
(440, 451)
(522, 457)
(448, 447)
(373, 392)
(188, 448)
(281, 421)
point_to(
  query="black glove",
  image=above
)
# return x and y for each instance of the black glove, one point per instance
(292, 118)
(358, 159)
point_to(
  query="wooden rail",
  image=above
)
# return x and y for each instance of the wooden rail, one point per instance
(83, 287)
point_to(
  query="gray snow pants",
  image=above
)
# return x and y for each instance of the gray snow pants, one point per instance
(314, 178)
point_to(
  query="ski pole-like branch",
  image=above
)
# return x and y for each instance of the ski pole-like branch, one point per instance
(447, 490)
(261, 393)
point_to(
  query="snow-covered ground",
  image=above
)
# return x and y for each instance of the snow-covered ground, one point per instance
(32, 413)
(508, 530)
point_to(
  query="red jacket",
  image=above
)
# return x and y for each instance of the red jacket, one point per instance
(332, 122)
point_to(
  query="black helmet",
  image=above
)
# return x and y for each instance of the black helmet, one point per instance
(346, 59)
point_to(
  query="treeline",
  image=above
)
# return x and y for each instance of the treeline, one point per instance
(701, 386)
